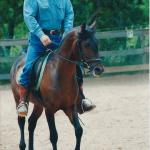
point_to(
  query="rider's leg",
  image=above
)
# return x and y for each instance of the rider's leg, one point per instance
(84, 104)
(35, 49)
(33, 52)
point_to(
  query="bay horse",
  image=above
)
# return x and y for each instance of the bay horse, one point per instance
(59, 89)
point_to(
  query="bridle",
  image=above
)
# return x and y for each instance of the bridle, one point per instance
(82, 61)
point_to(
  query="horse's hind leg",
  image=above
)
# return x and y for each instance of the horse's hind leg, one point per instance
(73, 116)
(21, 123)
(53, 132)
(37, 111)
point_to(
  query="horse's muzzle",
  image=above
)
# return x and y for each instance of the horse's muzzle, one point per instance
(95, 66)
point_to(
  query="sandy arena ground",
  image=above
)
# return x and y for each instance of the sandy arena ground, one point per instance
(120, 121)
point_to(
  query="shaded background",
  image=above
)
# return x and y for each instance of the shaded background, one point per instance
(111, 15)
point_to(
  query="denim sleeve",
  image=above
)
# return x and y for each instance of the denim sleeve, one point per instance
(30, 11)
(69, 16)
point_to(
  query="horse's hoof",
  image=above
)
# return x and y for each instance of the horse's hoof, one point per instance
(22, 146)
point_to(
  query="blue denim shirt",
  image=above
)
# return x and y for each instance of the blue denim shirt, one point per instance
(48, 14)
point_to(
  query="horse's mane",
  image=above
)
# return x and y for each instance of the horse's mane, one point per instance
(68, 35)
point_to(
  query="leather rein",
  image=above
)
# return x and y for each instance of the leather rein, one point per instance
(81, 61)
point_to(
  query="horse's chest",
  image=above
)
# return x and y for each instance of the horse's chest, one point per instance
(65, 93)
(62, 95)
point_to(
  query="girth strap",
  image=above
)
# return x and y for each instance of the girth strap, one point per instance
(41, 72)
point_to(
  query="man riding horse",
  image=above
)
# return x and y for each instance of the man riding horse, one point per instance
(45, 19)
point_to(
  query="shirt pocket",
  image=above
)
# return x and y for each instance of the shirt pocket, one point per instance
(43, 9)
(44, 13)
(59, 7)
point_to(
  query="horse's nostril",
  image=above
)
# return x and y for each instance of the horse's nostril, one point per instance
(98, 70)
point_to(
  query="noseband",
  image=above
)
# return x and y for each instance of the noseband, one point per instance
(82, 60)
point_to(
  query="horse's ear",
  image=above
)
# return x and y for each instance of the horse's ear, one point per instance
(83, 27)
(93, 25)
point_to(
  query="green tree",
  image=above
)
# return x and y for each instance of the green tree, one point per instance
(112, 13)
(108, 13)
(10, 17)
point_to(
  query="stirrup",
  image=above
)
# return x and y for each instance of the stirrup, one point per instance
(22, 109)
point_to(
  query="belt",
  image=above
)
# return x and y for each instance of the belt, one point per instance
(52, 32)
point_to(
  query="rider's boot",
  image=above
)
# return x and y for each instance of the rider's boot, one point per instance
(22, 108)
(84, 104)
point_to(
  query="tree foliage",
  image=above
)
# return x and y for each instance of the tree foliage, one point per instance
(10, 17)
(110, 14)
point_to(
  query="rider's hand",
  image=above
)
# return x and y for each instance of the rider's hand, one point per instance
(45, 40)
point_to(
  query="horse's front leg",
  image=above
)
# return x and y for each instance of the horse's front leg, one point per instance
(37, 111)
(21, 123)
(53, 132)
(73, 116)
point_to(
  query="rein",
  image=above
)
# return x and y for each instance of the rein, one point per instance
(82, 60)
(71, 61)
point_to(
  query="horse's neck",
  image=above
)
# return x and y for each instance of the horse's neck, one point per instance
(68, 46)
(67, 50)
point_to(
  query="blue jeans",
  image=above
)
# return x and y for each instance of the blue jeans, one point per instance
(35, 49)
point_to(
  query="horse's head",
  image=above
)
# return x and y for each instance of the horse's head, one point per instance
(88, 49)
